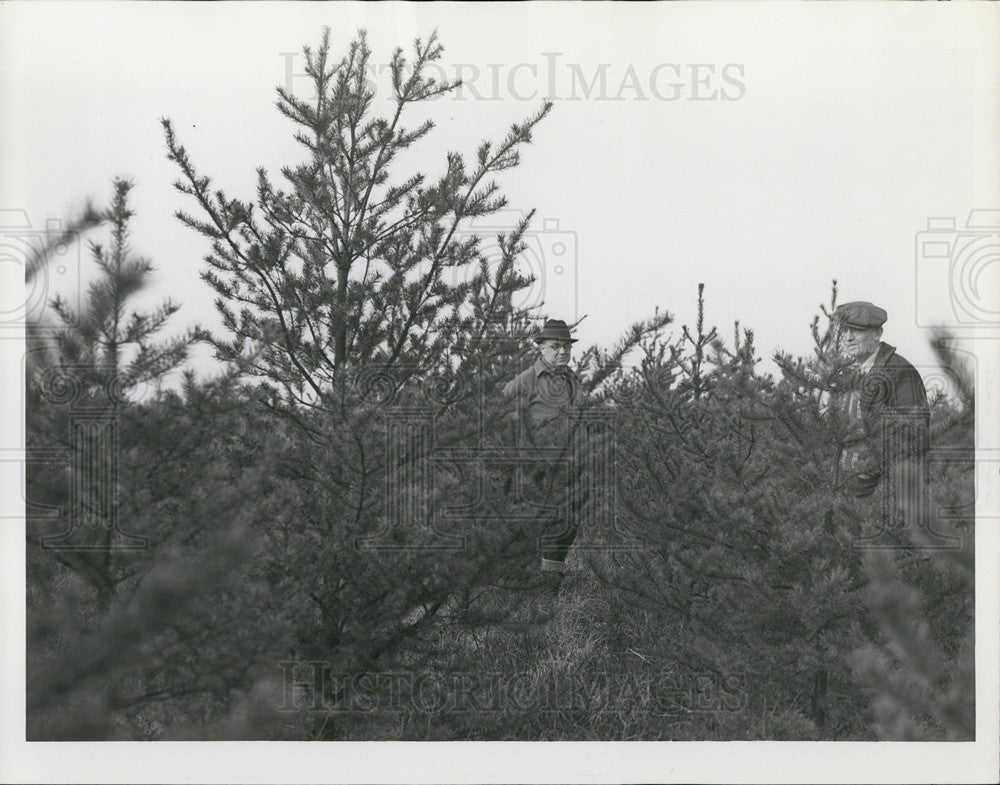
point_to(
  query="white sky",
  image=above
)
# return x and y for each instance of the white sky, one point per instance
(858, 122)
(848, 136)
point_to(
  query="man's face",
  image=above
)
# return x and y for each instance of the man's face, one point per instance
(857, 343)
(555, 353)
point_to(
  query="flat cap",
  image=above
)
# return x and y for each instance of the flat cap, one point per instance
(860, 314)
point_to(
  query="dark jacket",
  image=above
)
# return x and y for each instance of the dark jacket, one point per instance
(895, 416)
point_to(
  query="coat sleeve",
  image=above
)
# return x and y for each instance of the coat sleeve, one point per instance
(908, 413)
(908, 389)
(907, 438)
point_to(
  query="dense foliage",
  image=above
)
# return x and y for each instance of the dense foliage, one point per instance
(328, 541)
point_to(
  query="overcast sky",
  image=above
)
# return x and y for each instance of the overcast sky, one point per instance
(763, 149)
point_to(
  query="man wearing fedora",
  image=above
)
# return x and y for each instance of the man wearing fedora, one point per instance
(888, 403)
(548, 397)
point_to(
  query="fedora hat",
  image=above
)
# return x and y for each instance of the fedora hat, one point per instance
(555, 330)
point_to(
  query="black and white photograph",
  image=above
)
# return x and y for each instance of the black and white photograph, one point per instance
(500, 392)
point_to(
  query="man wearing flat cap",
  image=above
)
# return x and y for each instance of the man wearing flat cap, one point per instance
(548, 397)
(888, 402)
